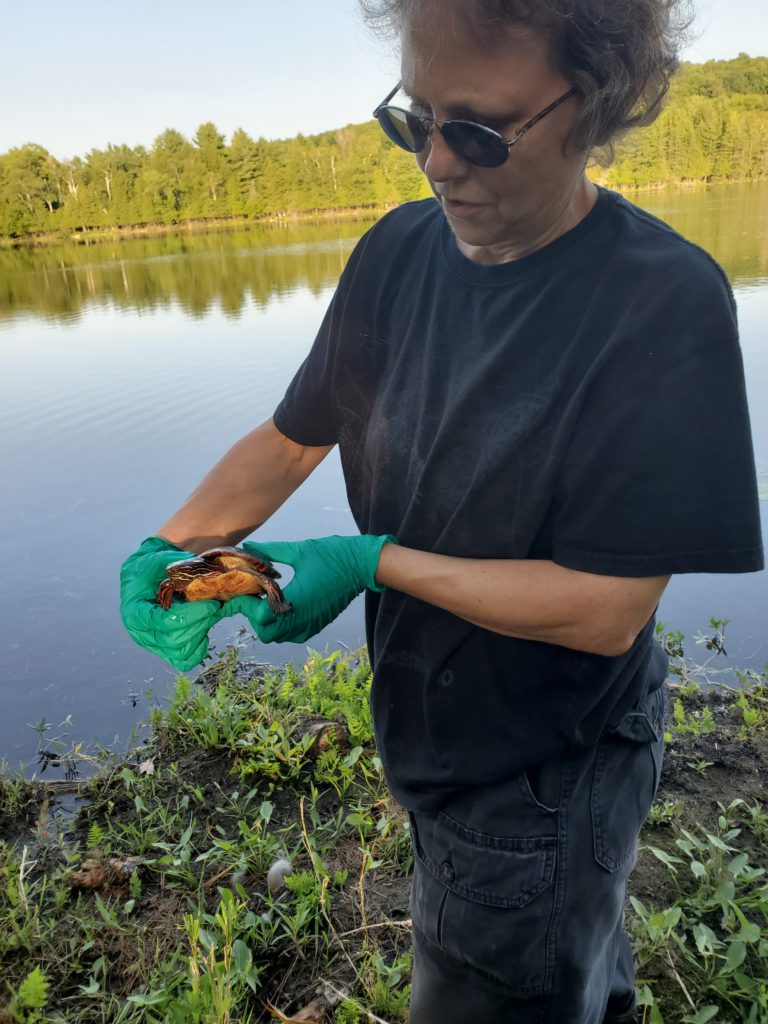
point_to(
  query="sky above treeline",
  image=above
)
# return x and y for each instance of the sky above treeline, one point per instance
(81, 75)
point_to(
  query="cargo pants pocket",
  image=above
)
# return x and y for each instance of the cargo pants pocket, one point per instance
(486, 901)
(625, 781)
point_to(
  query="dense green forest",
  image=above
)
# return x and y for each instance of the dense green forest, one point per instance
(714, 128)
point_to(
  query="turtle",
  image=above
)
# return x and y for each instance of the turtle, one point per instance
(219, 574)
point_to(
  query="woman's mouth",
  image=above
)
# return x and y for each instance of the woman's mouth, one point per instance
(460, 208)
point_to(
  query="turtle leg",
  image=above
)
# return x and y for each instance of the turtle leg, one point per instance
(165, 594)
(265, 569)
(275, 596)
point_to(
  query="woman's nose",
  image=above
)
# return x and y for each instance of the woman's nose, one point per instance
(440, 162)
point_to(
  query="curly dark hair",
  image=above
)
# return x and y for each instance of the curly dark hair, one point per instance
(620, 54)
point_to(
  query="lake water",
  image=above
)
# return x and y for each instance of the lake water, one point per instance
(129, 367)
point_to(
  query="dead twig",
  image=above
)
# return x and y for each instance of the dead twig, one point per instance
(408, 923)
(25, 867)
(680, 982)
(314, 1012)
(359, 1005)
(215, 878)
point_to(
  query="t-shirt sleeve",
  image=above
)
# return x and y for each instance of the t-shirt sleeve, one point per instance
(659, 477)
(306, 412)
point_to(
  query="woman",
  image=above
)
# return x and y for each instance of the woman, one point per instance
(526, 377)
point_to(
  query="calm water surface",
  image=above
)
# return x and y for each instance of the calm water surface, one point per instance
(130, 367)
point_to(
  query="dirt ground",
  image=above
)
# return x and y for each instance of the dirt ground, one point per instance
(700, 774)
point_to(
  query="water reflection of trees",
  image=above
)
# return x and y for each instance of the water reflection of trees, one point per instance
(231, 268)
(729, 221)
(196, 272)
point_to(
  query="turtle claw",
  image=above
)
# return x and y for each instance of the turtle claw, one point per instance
(165, 594)
(274, 595)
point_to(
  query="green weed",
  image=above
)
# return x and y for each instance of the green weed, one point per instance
(700, 766)
(31, 997)
(664, 812)
(715, 935)
(753, 703)
(697, 723)
(387, 986)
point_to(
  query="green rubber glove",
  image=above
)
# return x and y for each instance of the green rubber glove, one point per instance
(179, 635)
(329, 573)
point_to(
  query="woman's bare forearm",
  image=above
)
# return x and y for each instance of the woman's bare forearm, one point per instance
(532, 599)
(242, 490)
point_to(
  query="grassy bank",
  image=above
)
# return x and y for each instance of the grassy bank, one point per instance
(197, 226)
(154, 899)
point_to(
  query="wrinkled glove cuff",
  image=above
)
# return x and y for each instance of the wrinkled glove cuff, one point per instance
(151, 544)
(386, 538)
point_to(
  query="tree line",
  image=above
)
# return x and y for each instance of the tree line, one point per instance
(713, 129)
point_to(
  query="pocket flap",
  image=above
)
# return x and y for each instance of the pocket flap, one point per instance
(645, 723)
(498, 871)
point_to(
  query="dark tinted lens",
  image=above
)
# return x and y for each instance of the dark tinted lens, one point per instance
(476, 143)
(402, 128)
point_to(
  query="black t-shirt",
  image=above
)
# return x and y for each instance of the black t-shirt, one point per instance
(584, 404)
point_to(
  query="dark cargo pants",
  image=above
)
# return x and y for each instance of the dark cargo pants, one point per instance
(518, 891)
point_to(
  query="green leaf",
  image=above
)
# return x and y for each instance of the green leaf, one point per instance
(665, 858)
(357, 820)
(645, 996)
(95, 835)
(724, 892)
(705, 939)
(640, 910)
(737, 951)
(698, 869)
(107, 915)
(655, 1015)
(695, 843)
(33, 991)
(353, 757)
(738, 863)
(704, 1014)
(241, 956)
(718, 843)
(669, 918)
(750, 932)
(158, 998)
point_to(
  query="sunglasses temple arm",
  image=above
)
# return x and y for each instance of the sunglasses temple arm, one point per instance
(543, 113)
(386, 99)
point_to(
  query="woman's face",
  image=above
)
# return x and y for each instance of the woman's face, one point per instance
(449, 75)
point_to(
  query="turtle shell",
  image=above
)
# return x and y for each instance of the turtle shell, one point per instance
(237, 558)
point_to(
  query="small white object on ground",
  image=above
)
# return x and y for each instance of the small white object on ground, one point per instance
(277, 874)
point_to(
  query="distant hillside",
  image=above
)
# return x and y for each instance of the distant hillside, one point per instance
(714, 128)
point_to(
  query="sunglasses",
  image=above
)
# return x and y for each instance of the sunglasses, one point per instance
(473, 142)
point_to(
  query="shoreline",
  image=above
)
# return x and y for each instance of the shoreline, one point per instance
(196, 226)
(283, 218)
